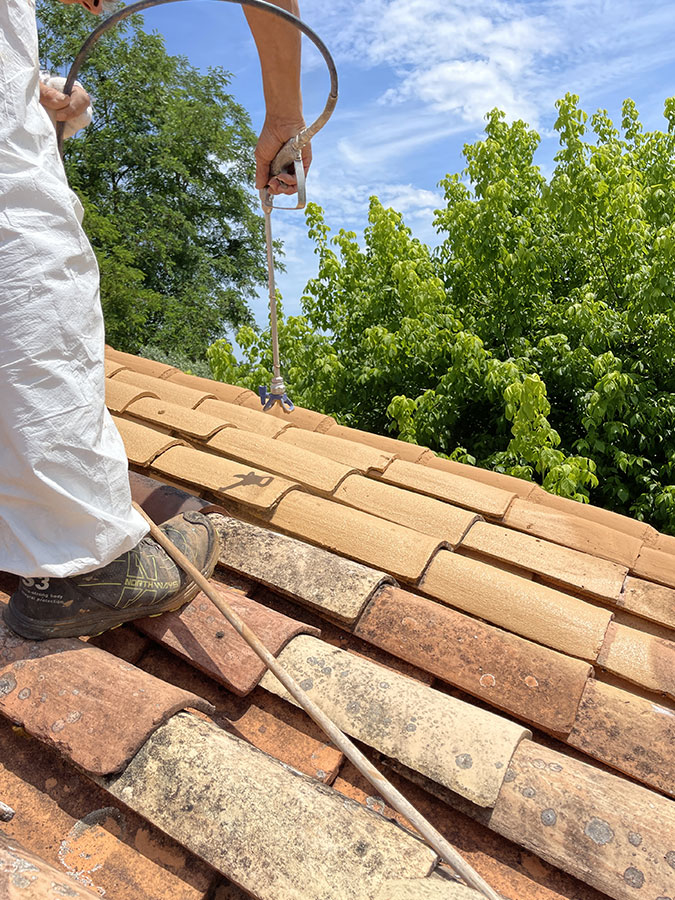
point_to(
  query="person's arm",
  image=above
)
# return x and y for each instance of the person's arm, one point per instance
(278, 45)
(74, 110)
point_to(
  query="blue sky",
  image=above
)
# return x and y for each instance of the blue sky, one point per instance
(417, 77)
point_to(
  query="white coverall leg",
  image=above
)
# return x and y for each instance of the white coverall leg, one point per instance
(65, 504)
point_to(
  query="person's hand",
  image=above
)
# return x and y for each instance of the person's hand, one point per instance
(64, 107)
(93, 6)
(273, 136)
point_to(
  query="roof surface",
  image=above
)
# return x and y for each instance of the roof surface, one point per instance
(507, 657)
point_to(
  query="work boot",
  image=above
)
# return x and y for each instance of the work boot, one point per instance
(144, 581)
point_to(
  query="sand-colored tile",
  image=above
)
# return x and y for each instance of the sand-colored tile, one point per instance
(651, 601)
(32, 878)
(426, 889)
(140, 364)
(517, 486)
(223, 477)
(573, 531)
(570, 568)
(629, 733)
(242, 417)
(141, 443)
(424, 514)
(591, 513)
(119, 394)
(376, 542)
(315, 472)
(112, 368)
(165, 390)
(640, 658)
(300, 417)
(664, 542)
(350, 453)
(481, 498)
(230, 393)
(456, 744)
(527, 680)
(240, 810)
(532, 610)
(171, 416)
(400, 449)
(311, 575)
(610, 833)
(655, 565)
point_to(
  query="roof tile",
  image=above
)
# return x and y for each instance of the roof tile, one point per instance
(190, 422)
(112, 368)
(401, 449)
(573, 531)
(529, 681)
(532, 610)
(588, 574)
(140, 364)
(482, 498)
(417, 511)
(349, 453)
(24, 876)
(630, 733)
(596, 514)
(316, 472)
(230, 393)
(649, 600)
(655, 565)
(455, 743)
(518, 486)
(223, 477)
(425, 889)
(247, 419)
(613, 834)
(403, 552)
(165, 390)
(119, 394)
(200, 634)
(162, 501)
(143, 444)
(300, 417)
(339, 587)
(640, 658)
(665, 543)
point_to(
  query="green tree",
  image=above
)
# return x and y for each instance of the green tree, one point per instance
(164, 173)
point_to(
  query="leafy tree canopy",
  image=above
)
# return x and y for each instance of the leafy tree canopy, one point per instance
(164, 173)
(538, 339)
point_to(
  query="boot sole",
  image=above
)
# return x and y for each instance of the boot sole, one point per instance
(95, 623)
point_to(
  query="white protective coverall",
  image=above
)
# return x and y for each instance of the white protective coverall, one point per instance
(65, 505)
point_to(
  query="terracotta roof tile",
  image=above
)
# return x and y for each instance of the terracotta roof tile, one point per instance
(112, 368)
(357, 456)
(376, 542)
(482, 498)
(518, 486)
(247, 419)
(316, 578)
(301, 418)
(455, 743)
(655, 565)
(401, 449)
(316, 472)
(534, 611)
(67, 693)
(664, 542)
(417, 511)
(24, 876)
(630, 733)
(119, 394)
(190, 422)
(596, 514)
(615, 835)
(223, 477)
(124, 642)
(652, 601)
(529, 681)
(597, 577)
(241, 810)
(161, 501)
(230, 393)
(143, 444)
(200, 634)
(140, 364)
(573, 531)
(425, 889)
(165, 390)
(641, 658)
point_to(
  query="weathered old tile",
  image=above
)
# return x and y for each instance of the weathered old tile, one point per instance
(315, 472)
(200, 634)
(301, 418)
(125, 643)
(358, 456)
(454, 743)
(651, 601)
(69, 694)
(425, 889)
(655, 565)
(143, 444)
(425, 514)
(570, 568)
(641, 658)
(311, 575)
(165, 390)
(631, 734)
(140, 364)
(119, 394)
(25, 876)
(400, 449)
(230, 393)
(615, 835)
(239, 810)
(482, 498)
(532, 610)
(403, 552)
(573, 531)
(244, 418)
(517, 486)
(529, 681)
(161, 501)
(591, 513)
(223, 477)
(190, 422)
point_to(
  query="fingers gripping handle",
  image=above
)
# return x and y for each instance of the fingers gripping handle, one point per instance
(289, 159)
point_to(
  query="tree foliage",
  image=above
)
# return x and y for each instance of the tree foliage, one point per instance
(164, 173)
(537, 340)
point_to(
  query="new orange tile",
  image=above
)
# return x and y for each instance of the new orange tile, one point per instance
(358, 456)
(517, 486)
(640, 658)
(385, 545)
(140, 364)
(655, 565)
(143, 444)
(649, 600)
(172, 417)
(230, 393)
(119, 394)
(165, 390)
(400, 449)
(247, 419)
